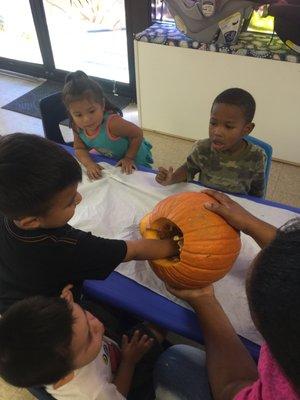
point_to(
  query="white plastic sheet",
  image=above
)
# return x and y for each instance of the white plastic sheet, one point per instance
(113, 206)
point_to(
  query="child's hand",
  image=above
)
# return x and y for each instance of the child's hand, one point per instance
(231, 211)
(127, 165)
(67, 294)
(193, 296)
(262, 232)
(164, 176)
(93, 171)
(134, 350)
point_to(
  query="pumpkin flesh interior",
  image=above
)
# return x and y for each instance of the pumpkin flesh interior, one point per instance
(166, 229)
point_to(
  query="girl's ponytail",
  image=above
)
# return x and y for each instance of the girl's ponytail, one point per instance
(110, 107)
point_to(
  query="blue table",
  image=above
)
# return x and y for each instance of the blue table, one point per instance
(124, 293)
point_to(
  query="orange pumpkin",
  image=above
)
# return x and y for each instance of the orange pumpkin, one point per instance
(209, 245)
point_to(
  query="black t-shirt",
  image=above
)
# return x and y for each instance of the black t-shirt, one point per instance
(43, 261)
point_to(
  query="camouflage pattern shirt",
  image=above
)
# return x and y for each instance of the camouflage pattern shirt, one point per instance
(242, 172)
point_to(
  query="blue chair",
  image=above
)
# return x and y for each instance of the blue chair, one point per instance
(53, 113)
(268, 150)
(40, 393)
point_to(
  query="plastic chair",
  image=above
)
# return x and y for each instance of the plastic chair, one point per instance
(40, 393)
(53, 112)
(268, 150)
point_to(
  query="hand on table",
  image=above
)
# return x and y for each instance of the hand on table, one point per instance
(127, 165)
(164, 176)
(94, 171)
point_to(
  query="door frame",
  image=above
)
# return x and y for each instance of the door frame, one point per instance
(138, 17)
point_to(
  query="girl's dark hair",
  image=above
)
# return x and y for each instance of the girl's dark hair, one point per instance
(274, 298)
(79, 86)
(240, 98)
(35, 340)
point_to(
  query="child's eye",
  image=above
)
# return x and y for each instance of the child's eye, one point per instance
(229, 127)
(212, 123)
(92, 111)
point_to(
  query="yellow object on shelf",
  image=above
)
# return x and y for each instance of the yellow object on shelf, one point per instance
(261, 24)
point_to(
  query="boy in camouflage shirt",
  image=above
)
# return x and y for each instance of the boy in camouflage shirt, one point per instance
(225, 161)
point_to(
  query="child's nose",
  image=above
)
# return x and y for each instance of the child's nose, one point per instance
(218, 131)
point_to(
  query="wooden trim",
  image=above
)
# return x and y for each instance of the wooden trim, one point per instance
(295, 164)
(170, 135)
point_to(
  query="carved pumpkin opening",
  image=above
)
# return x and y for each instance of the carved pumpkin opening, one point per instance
(166, 229)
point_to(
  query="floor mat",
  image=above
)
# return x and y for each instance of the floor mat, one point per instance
(28, 104)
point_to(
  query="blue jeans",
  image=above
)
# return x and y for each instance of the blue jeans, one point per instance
(180, 374)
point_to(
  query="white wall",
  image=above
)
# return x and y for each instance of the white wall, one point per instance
(176, 87)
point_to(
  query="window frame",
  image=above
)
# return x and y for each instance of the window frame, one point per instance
(138, 17)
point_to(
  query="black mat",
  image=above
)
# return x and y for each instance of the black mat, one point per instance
(28, 104)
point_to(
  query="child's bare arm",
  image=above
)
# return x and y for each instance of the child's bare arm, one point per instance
(168, 177)
(81, 150)
(132, 351)
(230, 367)
(120, 127)
(262, 232)
(93, 169)
(185, 172)
(150, 249)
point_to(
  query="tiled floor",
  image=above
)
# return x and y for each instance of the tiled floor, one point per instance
(284, 183)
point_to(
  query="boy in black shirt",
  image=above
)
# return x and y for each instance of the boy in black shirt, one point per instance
(39, 252)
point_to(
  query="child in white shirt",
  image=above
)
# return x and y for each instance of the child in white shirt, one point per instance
(55, 343)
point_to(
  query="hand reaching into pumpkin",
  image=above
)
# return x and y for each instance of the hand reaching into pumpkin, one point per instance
(239, 218)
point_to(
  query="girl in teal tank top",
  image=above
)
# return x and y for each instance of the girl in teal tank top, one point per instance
(98, 125)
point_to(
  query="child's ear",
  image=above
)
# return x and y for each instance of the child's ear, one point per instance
(28, 223)
(248, 128)
(67, 294)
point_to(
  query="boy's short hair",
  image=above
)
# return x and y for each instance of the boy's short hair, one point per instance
(35, 339)
(240, 98)
(32, 171)
(274, 298)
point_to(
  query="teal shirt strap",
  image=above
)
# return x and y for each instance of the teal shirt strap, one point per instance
(107, 126)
